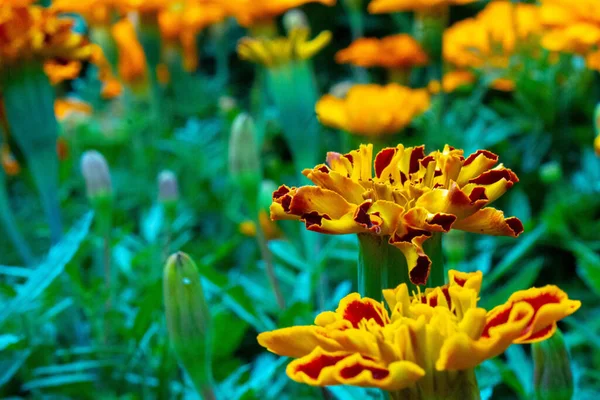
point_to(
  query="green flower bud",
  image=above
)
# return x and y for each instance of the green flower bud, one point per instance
(168, 192)
(550, 172)
(265, 196)
(295, 19)
(553, 378)
(188, 320)
(244, 162)
(96, 174)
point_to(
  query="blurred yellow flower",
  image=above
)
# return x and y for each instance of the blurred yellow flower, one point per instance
(597, 145)
(488, 40)
(255, 12)
(373, 110)
(397, 51)
(389, 6)
(404, 196)
(452, 81)
(35, 33)
(58, 71)
(423, 340)
(573, 26)
(282, 50)
(132, 60)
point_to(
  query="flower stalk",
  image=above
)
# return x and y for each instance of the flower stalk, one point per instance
(553, 378)
(380, 266)
(10, 225)
(447, 385)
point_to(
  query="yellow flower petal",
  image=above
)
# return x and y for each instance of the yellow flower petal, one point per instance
(491, 221)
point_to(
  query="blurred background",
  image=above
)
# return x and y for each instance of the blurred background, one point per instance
(135, 129)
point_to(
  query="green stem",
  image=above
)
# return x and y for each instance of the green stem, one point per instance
(380, 266)
(433, 249)
(447, 385)
(269, 267)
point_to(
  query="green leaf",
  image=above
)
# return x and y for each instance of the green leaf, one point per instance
(7, 340)
(9, 367)
(58, 380)
(50, 269)
(588, 264)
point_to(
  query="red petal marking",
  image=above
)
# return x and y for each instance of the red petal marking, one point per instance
(460, 282)
(314, 367)
(410, 234)
(425, 162)
(538, 301)
(515, 225)
(349, 157)
(353, 370)
(420, 273)
(281, 191)
(494, 175)
(403, 177)
(361, 216)
(415, 157)
(314, 218)
(487, 154)
(383, 159)
(498, 319)
(286, 202)
(478, 193)
(356, 311)
(443, 220)
(323, 168)
(433, 300)
(436, 173)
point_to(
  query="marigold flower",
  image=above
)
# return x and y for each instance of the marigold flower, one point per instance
(269, 228)
(282, 50)
(180, 24)
(37, 33)
(132, 60)
(95, 12)
(489, 39)
(396, 51)
(451, 81)
(404, 195)
(573, 26)
(373, 110)
(389, 6)
(420, 344)
(58, 72)
(255, 12)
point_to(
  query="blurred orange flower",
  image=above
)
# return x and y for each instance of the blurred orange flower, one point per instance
(389, 6)
(452, 81)
(95, 12)
(132, 60)
(66, 107)
(256, 12)
(397, 51)
(373, 110)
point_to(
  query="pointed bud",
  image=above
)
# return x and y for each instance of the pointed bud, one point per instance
(96, 174)
(295, 19)
(168, 189)
(244, 162)
(553, 378)
(188, 319)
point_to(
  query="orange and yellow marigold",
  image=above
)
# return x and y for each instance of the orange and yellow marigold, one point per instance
(389, 6)
(402, 195)
(421, 341)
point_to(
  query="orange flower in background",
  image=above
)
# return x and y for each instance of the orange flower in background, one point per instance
(402, 195)
(373, 110)
(181, 23)
(37, 33)
(58, 72)
(132, 60)
(421, 342)
(389, 6)
(67, 107)
(95, 12)
(573, 26)
(397, 51)
(9, 163)
(452, 81)
(256, 12)
(492, 37)
(269, 228)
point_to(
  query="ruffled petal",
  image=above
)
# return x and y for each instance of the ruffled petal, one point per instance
(490, 221)
(470, 280)
(321, 368)
(410, 241)
(329, 179)
(495, 181)
(475, 165)
(550, 304)
(355, 309)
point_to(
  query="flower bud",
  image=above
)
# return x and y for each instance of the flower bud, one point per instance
(553, 378)
(188, 319)
(550, 172)
(227, 104)
(244, 163)
(96, 174)
(265, 196)
(295, 19)
(168, 189)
